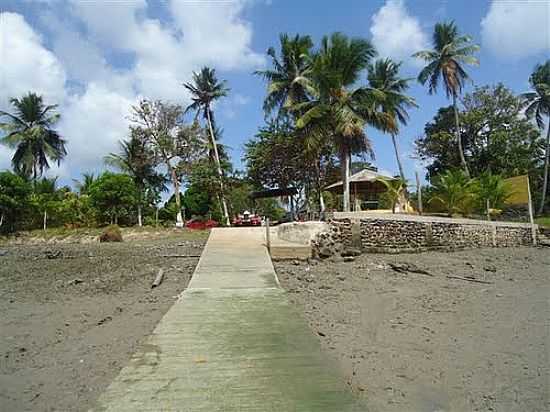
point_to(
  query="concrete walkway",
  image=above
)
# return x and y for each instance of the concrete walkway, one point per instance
(231, 343)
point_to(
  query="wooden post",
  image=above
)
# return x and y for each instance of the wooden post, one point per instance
(267, 238)
(45, 220)
(488, 206)
(418, 193)
(531, 218)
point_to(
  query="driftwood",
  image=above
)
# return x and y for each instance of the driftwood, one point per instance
(158, 279)
(181, 256)
(470, 279)
(408, 267)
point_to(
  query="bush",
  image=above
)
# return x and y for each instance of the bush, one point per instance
(111, 233)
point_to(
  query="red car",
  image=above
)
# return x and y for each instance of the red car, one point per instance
(247, 219)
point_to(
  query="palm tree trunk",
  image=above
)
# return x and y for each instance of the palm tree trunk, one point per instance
(345, 164)
(545, 176)
(459, 139)
(139, 216)
(399, 165)
(176, 183)
(218, 165)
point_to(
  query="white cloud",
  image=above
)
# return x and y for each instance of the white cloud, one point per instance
(159, 56)
(517, 29)
(395, 33)
(93, 124)
(26, 64)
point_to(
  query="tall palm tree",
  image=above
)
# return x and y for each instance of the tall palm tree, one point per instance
(136, 160)
(444, 62)
(205, 89)
(29, 130)
(289, 80)
(384, 76)
(537, 103)
(338, 109)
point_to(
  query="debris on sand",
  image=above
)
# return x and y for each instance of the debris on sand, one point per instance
(408, 267)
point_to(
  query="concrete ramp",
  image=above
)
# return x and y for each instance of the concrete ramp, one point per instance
(231, 343)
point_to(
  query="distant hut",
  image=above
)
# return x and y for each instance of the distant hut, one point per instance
(365, 189)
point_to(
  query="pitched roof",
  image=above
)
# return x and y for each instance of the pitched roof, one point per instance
(365, 175)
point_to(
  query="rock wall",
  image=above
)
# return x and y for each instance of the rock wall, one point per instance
(402, 233)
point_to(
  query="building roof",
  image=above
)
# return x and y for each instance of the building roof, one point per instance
(361, 178)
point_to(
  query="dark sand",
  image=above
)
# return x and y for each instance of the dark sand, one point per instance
(70, 323)
(413, 342)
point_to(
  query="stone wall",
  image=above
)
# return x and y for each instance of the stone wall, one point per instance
(404, 233)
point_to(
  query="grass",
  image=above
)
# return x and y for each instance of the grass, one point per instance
(60, 233)
(543, 221)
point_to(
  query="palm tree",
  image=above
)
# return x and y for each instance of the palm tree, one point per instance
(444, 61)
(289, 81)
(395, 191)
(29, 131)
(454, 190)
(83, 186)
(204, 90)
(537, 104)
(338, 109)
(384, 76)
(136, 160)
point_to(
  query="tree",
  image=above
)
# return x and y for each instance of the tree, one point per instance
(494, 132)
(114, 195)
(491, 191)
(384, 76)
(444, 62)
(453, 189)
(137, 160)
(46, 199)
(537, 103)
(83, 186)
(339, 109)
(176, 145)
(289, 81)
(395, 190)
(14, 197)
(275, 157)
(29, 130)
(205, 89)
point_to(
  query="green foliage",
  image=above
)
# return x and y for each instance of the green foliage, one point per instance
(444, 62)
(114, 196)
(495, 136)
(490, 188)
(275, 157)
(395, 191)
(289, 81)
(196, 201)
(29, 130)
(537, 104)
(14, 199)
(453, 189)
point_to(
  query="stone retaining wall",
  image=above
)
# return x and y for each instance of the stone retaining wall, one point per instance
(402, 233)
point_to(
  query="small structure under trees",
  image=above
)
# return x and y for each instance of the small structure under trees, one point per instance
(366, 187)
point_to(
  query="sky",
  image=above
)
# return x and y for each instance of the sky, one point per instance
(95, 58)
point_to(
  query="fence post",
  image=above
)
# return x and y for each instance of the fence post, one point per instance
(418, 193)
(267, 238)
(531, 218)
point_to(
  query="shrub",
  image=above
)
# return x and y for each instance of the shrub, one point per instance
(111, 234)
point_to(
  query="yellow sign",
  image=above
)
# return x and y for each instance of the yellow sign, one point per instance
(519, 190)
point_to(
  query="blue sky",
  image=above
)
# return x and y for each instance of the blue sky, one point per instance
(96, 58)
